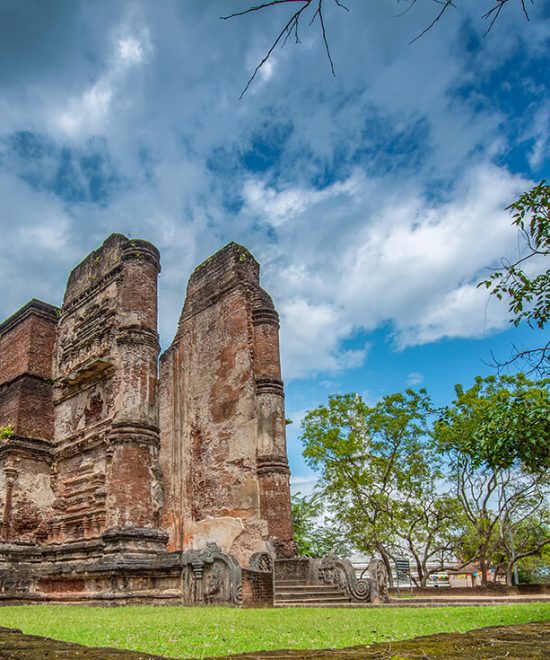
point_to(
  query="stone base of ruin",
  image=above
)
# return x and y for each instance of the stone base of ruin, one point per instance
(106, 572)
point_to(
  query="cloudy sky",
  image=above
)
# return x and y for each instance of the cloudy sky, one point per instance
(374, 200)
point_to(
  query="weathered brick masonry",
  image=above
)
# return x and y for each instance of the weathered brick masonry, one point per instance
(101, 498)
(223, 449)
(27, 342)
(106, 411)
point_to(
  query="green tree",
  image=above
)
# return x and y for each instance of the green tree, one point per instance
(524, 537)
(535, 568)
(528, 291)
(315, 536)
(380, 473)
(500, 422)
(497, 437)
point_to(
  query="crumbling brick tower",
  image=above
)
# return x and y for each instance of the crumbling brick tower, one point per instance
(106, 473)
(27, 342)
(82, 475)
(223, 447)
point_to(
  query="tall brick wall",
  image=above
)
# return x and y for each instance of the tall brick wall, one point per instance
(105, 395)
(26, 356)
(223, 449)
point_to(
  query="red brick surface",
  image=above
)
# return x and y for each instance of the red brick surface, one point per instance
(91, 458)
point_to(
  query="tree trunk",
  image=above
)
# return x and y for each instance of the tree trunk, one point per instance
(509, 574)
(423, 575)
(387, 563)
(484, 569)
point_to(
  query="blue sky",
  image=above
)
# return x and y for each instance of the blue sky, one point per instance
(373, 200)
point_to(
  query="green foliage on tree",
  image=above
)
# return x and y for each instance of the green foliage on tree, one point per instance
(535, 568)
(379, 473)
(500, 422)
(528, 296)
(497, 438)
(528, 293)
(314, 536)
(468, 483)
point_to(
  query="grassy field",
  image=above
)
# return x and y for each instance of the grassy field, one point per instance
(181, 632)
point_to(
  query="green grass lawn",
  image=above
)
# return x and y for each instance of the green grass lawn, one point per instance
(182, 632)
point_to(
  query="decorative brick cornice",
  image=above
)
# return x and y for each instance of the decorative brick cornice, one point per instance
(265, 315)
(136, 334)
(92, 291)
(134, 432)
(23, 377)
(33, 447)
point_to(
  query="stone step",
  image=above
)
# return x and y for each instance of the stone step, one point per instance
(306, 587)
(310, 593)
(297, 593)
(317, 605)
(312, 598)
(313, 603)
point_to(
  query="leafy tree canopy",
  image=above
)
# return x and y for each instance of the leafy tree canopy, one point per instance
(315, 537)
(380, 471)
(528, 296)
(499, 422)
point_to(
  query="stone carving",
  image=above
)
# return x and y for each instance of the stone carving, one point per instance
(378, 571)
(262, 561)
(211, 577)
(334, 570)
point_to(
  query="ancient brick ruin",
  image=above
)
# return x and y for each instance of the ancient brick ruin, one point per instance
(118, 484)
(223, 450)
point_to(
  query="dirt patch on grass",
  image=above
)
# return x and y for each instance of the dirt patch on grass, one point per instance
(14, 645)
(510, 642)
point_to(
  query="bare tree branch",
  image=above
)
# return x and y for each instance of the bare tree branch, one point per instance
(291, 27)
(445, 6)
(535, 360)
(494, 12)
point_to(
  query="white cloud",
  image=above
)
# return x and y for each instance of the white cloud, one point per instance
(539, 131)
(404, 260)
(87, 113)
(130, 49)
(377, 201)
(311, 339)
(303, 484)
(37, 246)
(415, 378)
